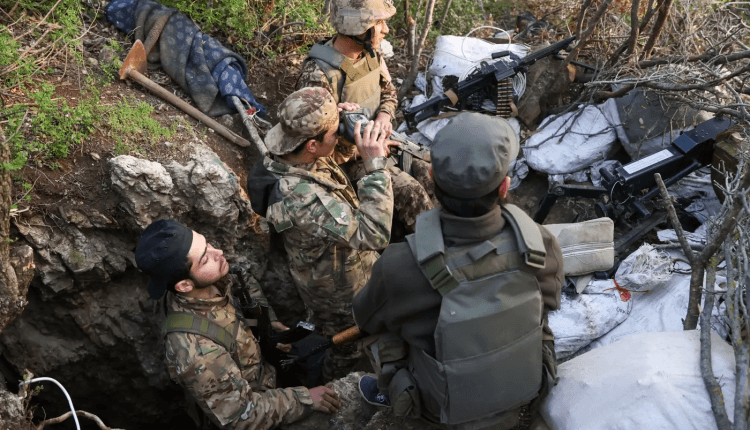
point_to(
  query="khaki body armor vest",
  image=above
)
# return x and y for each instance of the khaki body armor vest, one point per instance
(354, 82)
(488, 337)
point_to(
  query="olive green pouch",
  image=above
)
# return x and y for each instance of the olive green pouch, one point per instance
(404, 395)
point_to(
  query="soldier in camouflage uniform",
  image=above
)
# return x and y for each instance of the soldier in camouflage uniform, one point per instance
(330, 233)
(352, 69)
(211, 352)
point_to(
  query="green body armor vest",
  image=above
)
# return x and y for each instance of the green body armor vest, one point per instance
(354, 82)
(488, 337)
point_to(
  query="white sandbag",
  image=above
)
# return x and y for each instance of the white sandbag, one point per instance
(587, 316)
(570, 142)
(586, 246)
(646, 381)
(454, 55)
(659, 296)
(646, 268)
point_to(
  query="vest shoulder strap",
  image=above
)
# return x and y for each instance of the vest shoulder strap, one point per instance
(333, 63)
(326, 54)
(185, 322)
(530, 242)
(429, 250)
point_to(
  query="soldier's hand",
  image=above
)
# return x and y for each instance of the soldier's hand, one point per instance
(384, 120)
(278, 326)
(347, 106)
(325, 400)
(372, 142)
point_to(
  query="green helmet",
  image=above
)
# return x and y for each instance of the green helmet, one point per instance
(354, 17)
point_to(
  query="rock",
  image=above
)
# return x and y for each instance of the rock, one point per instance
(106, 55)
(93, 62)
(145, 188)
(355, 414)
(95, 156)
(89, 323)
(12, 414)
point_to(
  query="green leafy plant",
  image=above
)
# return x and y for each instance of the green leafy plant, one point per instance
(130, 121)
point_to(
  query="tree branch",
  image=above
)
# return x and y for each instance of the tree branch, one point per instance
(707, 372)
(67, 415)
(713, 243)
(418, 51)
(658, 25)
(673, 219)
(706, 57)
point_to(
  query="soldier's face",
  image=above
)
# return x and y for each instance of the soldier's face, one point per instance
(328, 145)
(379, 31)
(208, 263)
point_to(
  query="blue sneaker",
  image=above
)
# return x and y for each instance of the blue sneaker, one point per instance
(368, 388)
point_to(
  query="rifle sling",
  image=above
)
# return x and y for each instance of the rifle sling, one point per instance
(186, 322)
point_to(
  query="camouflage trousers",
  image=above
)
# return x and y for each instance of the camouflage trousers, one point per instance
(339, 359)
(409, 196)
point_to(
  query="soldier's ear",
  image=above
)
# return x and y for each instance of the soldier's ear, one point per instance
(184, 286)
(311, 146)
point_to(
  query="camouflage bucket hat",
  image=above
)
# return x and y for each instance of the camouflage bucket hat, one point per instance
(303, 115)
(354, 17)
(471, 155)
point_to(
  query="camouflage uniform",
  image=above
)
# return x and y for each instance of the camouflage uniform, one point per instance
(331, 239)
(410, 196)
(330, 236)
(234, 392)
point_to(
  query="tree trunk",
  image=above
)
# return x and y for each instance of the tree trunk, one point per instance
(12, 289)
(418, 50)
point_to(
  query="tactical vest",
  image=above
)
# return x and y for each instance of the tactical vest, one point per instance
(488, 337)
(354, 82)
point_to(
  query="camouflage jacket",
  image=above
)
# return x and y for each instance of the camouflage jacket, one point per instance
(235, 395)
(330, 235)
(311, 75)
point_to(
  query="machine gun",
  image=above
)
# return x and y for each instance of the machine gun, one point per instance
(407, 150)
(626, 193)
(487, 75)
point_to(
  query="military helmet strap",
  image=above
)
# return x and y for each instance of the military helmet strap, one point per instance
(365, 42)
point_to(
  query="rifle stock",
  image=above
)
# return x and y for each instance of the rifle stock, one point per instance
(489, 74)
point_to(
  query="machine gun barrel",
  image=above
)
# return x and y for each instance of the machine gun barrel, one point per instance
(489, 74)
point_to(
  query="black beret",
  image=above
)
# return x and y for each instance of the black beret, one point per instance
(161, 253)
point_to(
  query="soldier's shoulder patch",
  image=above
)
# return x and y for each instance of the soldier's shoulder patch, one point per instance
(277, 216)
(206, 346)
(338, 210)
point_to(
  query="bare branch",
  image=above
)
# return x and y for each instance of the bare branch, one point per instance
(673, 219)
(708, 57)
(418, 50)
(709, 379)
(658, 26)
(633, 27)
(67, 415)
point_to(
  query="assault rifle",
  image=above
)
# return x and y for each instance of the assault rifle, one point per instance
(627, 192)
(252, 309)
(487, 75)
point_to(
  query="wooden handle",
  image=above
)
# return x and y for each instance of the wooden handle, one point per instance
(348, 335)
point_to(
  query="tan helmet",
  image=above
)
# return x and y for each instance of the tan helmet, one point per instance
(354, 17)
